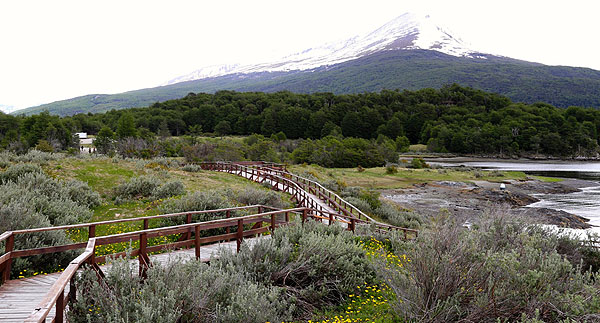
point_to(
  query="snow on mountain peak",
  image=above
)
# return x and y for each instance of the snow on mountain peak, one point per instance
(408, 31)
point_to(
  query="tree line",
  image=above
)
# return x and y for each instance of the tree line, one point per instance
(452, 119)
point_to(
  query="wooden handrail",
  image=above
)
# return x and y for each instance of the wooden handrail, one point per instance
(55, 297)
(84, 225)
(324, 189)
(56, 293)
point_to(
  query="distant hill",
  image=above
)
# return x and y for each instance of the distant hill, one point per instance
(410, 52)
(400, 69)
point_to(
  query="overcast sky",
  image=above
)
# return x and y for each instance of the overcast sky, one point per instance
(53, 50)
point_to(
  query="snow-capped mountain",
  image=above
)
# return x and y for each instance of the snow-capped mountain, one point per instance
(408, 31)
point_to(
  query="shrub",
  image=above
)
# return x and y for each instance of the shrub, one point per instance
(251, 196)
(418, 163)
(137, 187)
(360, 204)
(191, 168)
(35, 200)
(360, 169)
(38, 157)
(390, 214)
(45, 146)
(335, 185)
(168, 189)
(391, 169)
(18, 215)
(500, 270)
(176, 292)
(17, 170)
(315, 264)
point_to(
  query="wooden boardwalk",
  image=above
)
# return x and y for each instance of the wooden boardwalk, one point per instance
(35, 299)
(19, 297)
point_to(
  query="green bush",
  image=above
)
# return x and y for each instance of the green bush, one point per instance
(35, 200)
(392, 215)
(316, 265)
(251, 196)
(285, 278)
(191, 168)
(418, 163)
(391, 169)
(176, 292)
(137, 187)
(168, 189)
(13, 172)
(501, 270)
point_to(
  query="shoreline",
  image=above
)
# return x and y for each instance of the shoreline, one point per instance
(468, 201)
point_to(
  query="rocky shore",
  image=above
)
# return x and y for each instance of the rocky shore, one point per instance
(467, 201)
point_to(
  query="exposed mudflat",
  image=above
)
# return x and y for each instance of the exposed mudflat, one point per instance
(467, 201)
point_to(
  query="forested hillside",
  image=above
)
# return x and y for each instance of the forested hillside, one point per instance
(400, 69)
(452, 119)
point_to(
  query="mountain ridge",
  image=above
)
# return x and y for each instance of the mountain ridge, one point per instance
(407, 31)
(406, 53)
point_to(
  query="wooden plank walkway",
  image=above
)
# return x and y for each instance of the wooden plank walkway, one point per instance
(19, 297)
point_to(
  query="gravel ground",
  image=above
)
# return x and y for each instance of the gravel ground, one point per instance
(468, 201)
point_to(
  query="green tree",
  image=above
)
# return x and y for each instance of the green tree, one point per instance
(402, 144)
(104, 141)
(223, 128)
(126, 126)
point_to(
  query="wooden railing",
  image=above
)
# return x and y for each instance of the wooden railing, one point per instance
(9, 237)
(332, 199)
(303, 191)
(57, 299)
(261, 172)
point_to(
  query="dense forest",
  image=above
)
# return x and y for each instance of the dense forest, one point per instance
(452, 119)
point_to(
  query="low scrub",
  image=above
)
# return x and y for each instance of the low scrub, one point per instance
(147, 187)
(500, 270)
(280, 279)
(189, 292)
(251, 196)
(31, 199)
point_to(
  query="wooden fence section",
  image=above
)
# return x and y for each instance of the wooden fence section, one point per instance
(9, 237)
(243, 226)
(314, 201)
(302, 189)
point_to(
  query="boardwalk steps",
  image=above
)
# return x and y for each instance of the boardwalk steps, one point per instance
(36, 299)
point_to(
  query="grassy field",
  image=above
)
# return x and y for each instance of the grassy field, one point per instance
(376, 178)
(104, 174)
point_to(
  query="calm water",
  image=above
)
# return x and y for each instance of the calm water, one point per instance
(585, 203)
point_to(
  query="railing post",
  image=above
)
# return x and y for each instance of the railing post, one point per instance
(92, 231)
(60, 307)
(304, 215)
(188, 220)
(272, 222)
(352, 224)
(260, 209)
(145, 224)
(330, 218)
(143, 257)
(197, 241)
(405, 235)
(228, 215)
(287, 217)
(72, 291)
(10, 245)
(240, 233)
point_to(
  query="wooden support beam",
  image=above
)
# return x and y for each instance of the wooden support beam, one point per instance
(197, 241)
(8, 248)
(240, 234)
